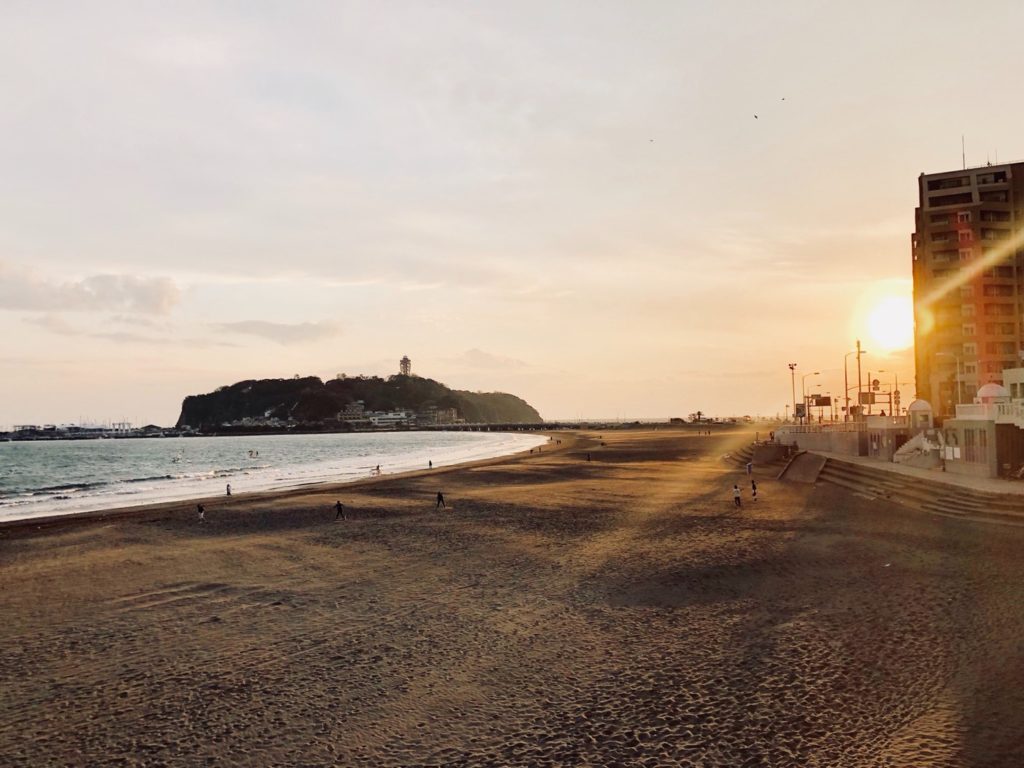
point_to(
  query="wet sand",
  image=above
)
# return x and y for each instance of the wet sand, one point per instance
(560, 612)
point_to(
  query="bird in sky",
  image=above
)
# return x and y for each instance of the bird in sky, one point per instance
(755, 117)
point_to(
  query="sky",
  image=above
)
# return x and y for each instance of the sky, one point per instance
(570, 201)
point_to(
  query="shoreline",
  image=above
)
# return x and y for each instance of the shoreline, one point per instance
(603, 602)
(158, 510)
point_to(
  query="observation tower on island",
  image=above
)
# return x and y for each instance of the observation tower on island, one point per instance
(405, 366)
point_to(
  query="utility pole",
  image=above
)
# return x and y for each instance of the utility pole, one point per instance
(859, 385)
(792, 377)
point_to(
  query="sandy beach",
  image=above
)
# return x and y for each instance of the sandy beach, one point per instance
(559, 612)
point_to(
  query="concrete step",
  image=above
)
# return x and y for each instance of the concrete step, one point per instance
(920, 493)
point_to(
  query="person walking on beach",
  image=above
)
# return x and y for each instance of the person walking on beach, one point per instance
(750, 468)
(440, 501)
(229, 489)
(753, 489)
(202, 512)
(430, 465)
(736, 496)
(339, 510)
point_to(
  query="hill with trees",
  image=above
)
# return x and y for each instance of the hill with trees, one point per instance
(314, 403)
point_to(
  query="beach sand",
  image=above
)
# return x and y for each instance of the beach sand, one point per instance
(616, 612)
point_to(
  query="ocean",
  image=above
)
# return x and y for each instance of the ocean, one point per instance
(44, 478)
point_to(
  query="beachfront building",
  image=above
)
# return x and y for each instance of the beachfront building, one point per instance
(970, 439)
(390, 419)
(968, 281)
(434, 416)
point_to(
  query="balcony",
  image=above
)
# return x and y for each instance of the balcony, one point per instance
(995, 177)
(978, 411)
(961, 198)
(949, 183)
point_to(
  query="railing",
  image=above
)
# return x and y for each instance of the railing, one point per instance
(886, 422)
(978, 411)
(813, 429)
(1010, 413)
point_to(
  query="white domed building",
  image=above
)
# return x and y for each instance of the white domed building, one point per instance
(992, 393)
(921, 415)
(971, 439)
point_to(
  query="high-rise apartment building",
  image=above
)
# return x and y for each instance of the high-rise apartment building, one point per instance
(968, 252)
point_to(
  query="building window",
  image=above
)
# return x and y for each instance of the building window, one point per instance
(1003, 271)
(998, 290)
(963, 217)
(944, 237)
(950, 183)
(965, 254)
(968, 329)
(957, 199)
(969, 445)
(970, 369)
(966, 291)
(992, 234)
(976, 446)
(965, 235)
(1001, 196)
(941, 218)
(1004, 329)
(998, 310)
(970, 349)
(990, 178)
(967, 310)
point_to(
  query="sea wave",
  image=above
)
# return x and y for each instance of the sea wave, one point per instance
(111, 473)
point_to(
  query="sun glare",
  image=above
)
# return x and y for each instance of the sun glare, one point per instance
(890, 323)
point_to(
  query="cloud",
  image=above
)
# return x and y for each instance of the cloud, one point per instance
(22, 289)
(58, 325)
(282, 333)
(477, 358)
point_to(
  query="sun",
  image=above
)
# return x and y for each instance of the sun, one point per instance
(890, 323)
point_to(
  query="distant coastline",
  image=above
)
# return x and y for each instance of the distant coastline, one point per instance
(103, 433)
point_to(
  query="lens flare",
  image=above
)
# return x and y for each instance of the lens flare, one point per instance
(890, 323)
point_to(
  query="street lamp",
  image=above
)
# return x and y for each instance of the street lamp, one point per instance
(792, 381)
(846, 381)
(803, 390)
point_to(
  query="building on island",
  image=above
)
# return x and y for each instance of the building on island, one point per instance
(405, 366)
(968, 281)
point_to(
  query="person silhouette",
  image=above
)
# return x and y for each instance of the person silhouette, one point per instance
(339, 510)
(202, 512)
(736, 499)
(440, 501)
